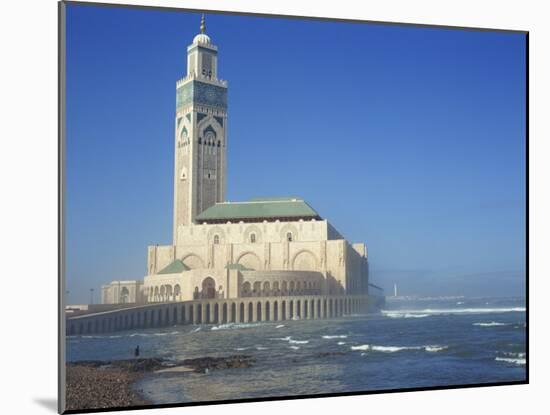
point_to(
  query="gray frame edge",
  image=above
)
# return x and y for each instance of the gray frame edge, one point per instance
(61, 114)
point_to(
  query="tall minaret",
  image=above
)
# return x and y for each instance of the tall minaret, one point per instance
(200, 141)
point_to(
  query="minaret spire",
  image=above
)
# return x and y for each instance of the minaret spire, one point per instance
(203, 24)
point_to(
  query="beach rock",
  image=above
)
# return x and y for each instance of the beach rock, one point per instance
(107, 384)
(328, 354)
(201, 364)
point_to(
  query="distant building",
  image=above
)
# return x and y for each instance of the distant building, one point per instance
(261, 247)
(122, 292)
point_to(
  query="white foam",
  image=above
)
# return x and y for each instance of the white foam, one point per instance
(362, 347)
(491, 324)
(261, 348)
(514, 354)
(393, 349)
(232, 326)
(242, 348)
(437, 311)
(434, 348)
(341, 343)
(294, 347)
(280, 326)
(390, 349)
(405, 315)
(336, 337)
(516, 361)
(287, 338)
(298, 341)
(290, 340)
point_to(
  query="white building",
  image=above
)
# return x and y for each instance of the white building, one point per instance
(261, 247)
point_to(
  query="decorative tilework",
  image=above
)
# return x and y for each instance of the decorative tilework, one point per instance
(201, 93)
(183, 133)
(209, 129)
(200, 116)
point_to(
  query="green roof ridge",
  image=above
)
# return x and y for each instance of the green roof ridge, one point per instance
(276, 199)
(174, 267)
(259, 209)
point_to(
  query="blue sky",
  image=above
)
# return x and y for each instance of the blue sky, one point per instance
(409, 139)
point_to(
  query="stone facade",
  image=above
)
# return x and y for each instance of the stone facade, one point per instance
(333, 266)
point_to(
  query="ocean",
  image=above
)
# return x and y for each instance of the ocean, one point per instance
(412, 343)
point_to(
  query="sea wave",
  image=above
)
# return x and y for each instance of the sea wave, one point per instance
(173, 333)
(280, 326)
(438, 311)
(298, 341)
(490, 324)
(341, 343)
(294, 347)
(434, 348)
(290, 340)
(393, 349)
(514, 360)
(404, 315)
(233, 326)
(341, 336)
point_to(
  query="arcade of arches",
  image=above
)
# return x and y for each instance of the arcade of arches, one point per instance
(243, 310)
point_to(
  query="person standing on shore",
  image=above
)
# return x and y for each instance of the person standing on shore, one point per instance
(136, 352)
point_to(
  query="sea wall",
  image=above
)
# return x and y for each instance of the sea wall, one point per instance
(220, 311)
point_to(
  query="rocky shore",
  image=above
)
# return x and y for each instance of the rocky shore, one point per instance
(107, 384)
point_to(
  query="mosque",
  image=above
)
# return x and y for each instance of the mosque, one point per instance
(266, 247)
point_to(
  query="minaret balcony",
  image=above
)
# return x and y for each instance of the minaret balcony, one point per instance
(194, 77)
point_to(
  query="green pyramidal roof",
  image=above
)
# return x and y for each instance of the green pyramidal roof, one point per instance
(174, 268)
(259, 209)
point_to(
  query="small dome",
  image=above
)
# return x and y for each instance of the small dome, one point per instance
(202, 38)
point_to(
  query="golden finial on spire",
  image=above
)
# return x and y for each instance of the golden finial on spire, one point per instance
(203, 24)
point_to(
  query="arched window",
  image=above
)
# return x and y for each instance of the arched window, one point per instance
(200, 140)
(124, 295)
(289, 236)
(216, 239)
(253, 238)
